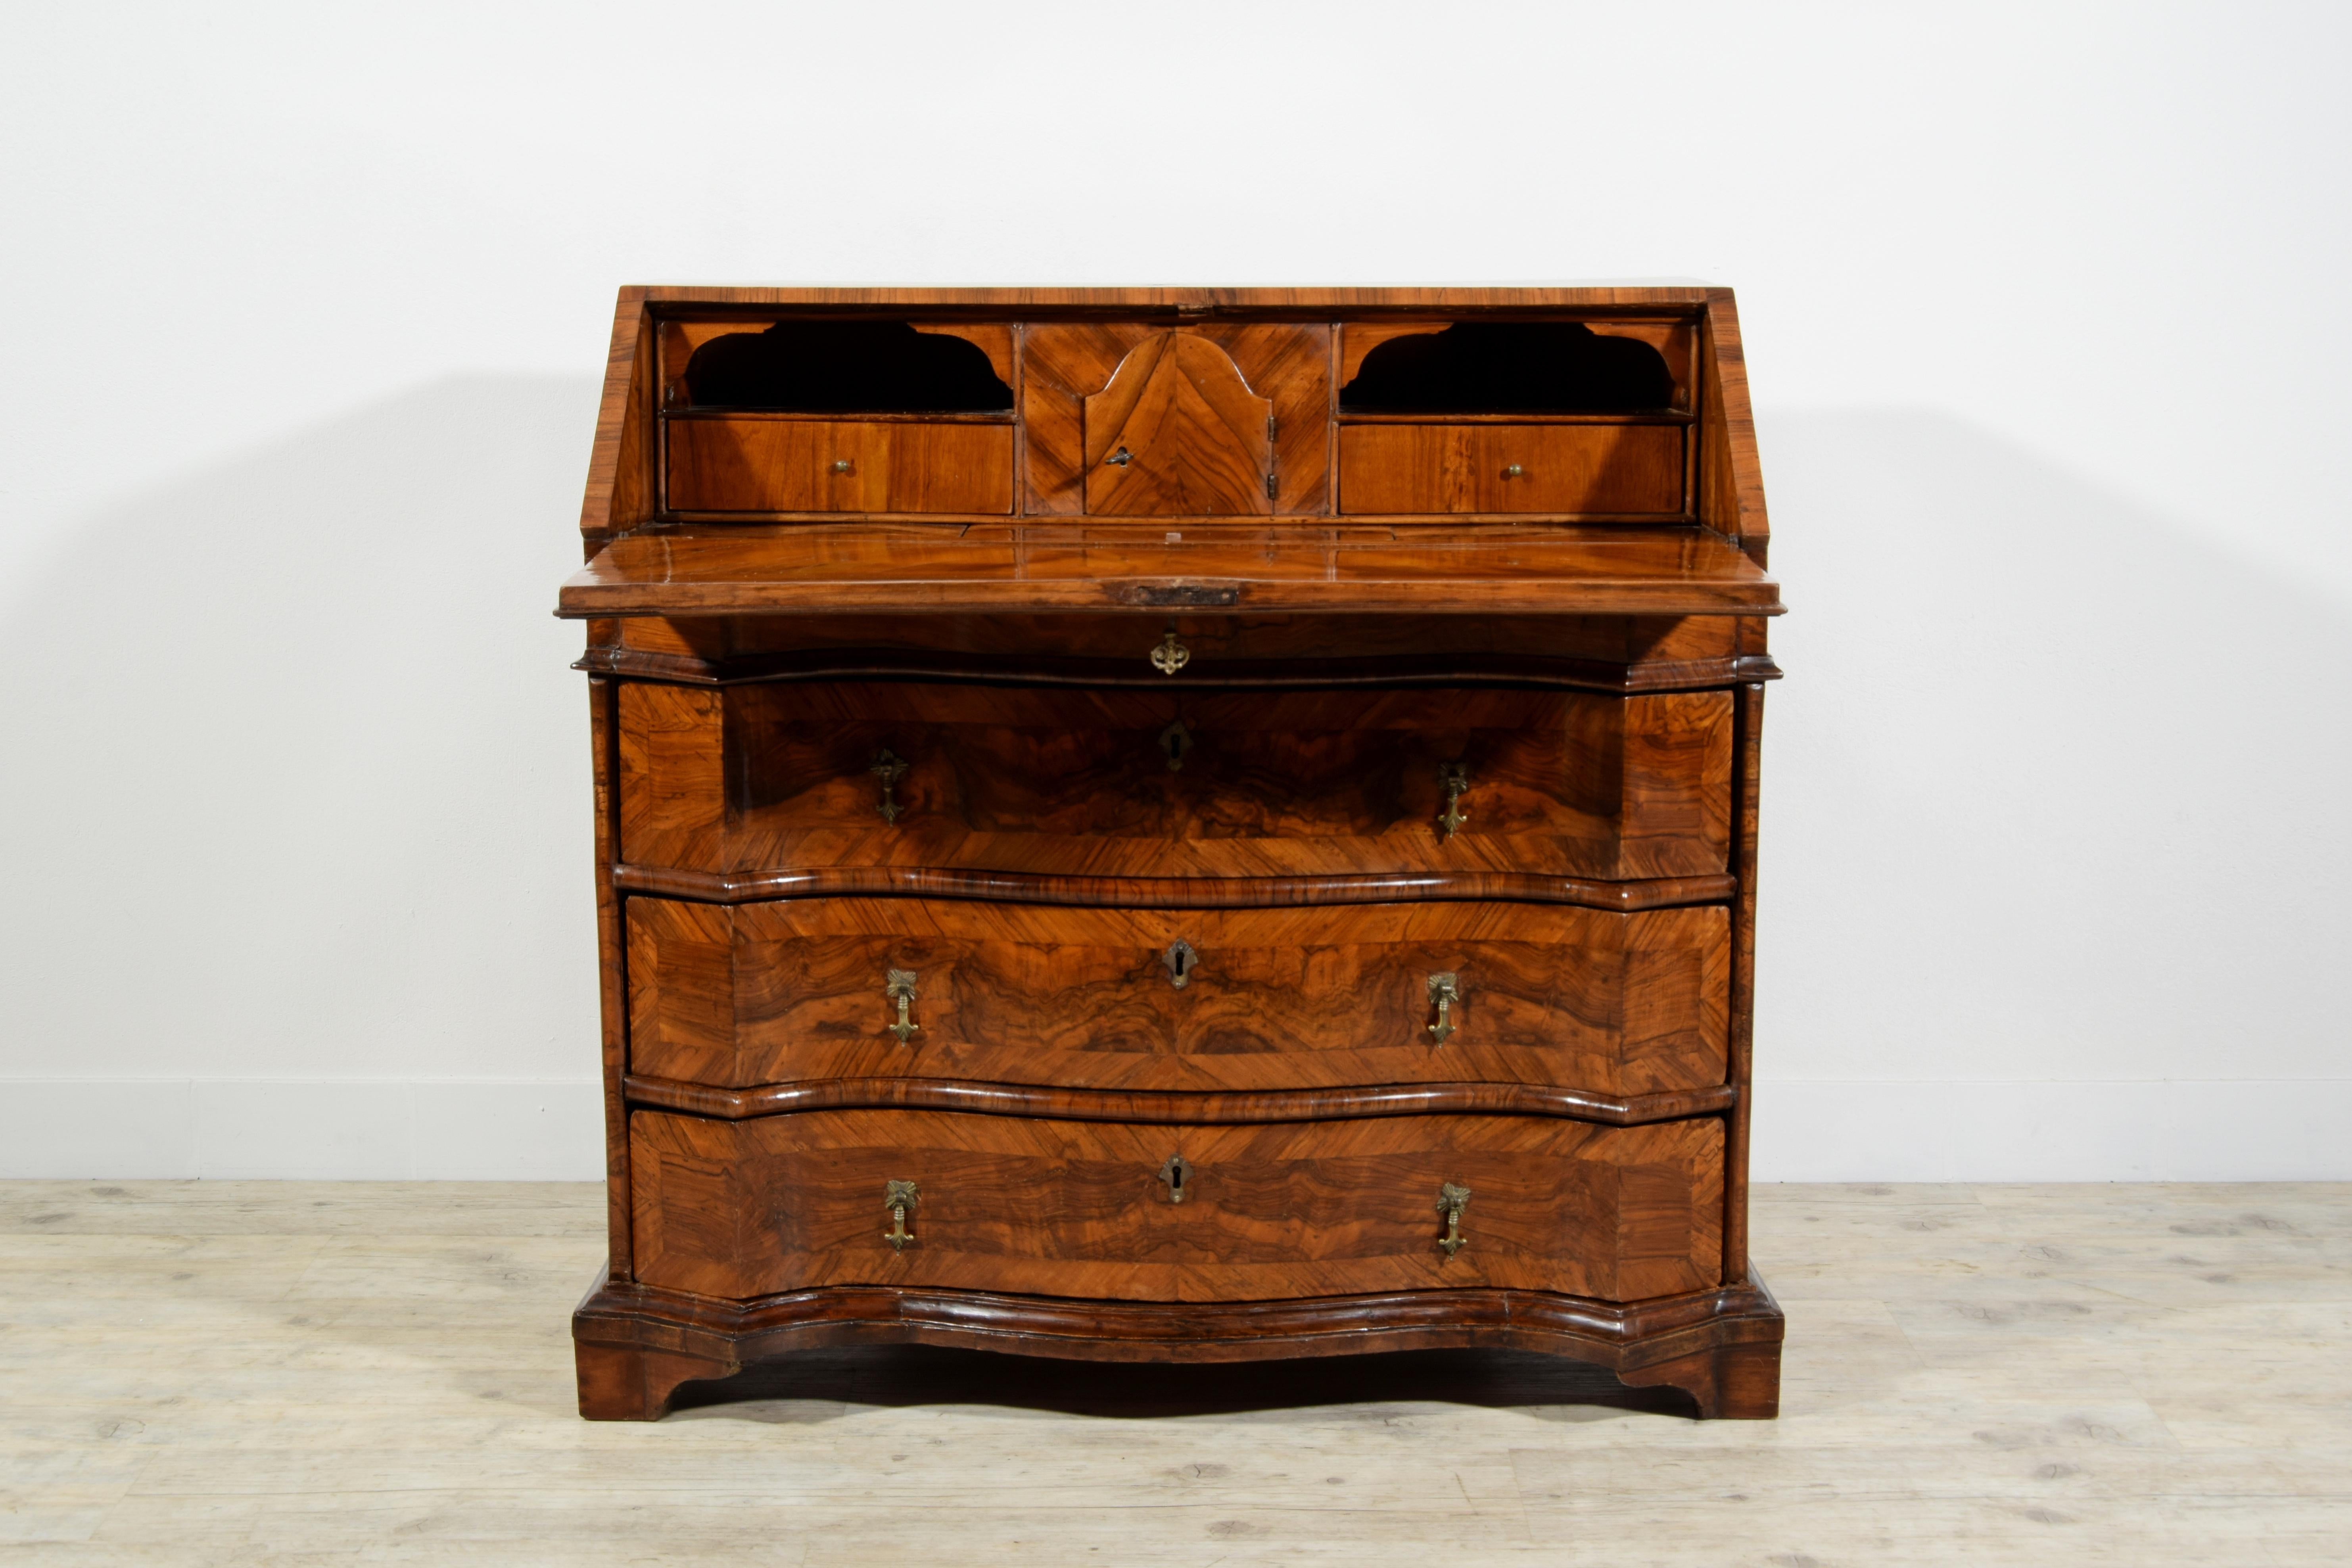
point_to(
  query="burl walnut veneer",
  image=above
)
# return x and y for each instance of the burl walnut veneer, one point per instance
(1176, 824)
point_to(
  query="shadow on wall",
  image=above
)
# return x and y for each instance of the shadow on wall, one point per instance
(298, 779)
(2053, 790)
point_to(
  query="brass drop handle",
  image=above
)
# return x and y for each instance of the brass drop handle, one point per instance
(889, 770)
(1445, 992)
(1174, 742)
(1451, 1201)
(1175, 1173)
(899, 987)
(1120, 458)
(841, 466)
(1181, 961)
(1170, 656)
(898, 1197)
(1512, 470)
(1456, 778)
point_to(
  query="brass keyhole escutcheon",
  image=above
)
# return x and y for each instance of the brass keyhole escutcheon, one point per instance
(1174, 742)
(1175, 1173)
(1120, 458)
(1170, 656)
(889, 770)
(897, 1197)
(1454, 777)
(1181, 961)
(1445, 994)
(1451, 1201)
(899, 987)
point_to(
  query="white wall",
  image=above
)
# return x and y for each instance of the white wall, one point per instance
(306, 306)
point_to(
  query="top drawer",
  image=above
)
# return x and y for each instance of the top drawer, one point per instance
(1109, 783)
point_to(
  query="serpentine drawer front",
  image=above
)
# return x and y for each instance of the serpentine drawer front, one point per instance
(1164, 999)
(1124, 782)
(1176, 824)
(750, 1208)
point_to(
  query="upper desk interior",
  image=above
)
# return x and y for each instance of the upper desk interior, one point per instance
(793, 451)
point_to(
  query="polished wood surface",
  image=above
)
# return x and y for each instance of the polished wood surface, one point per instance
(749, 463)
(1022, 569)
(1620, 654)
(1309, 733)
(1119, 783)
(1568, 470)
(759, 993)
(1178, 433)
(1080, 1209)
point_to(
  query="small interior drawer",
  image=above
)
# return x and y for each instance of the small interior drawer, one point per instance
(1568, 470)
(767, 463)
(749, 1208)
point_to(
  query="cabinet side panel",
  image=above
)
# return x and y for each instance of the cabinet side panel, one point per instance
(1677, 782)
(611, 999)
(673, 776)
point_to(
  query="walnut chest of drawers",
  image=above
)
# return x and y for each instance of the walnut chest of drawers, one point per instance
(1176, 824)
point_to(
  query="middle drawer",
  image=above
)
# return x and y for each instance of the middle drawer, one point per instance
(737, 996)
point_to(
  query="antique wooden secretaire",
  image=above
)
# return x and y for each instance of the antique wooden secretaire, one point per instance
(1163, 824)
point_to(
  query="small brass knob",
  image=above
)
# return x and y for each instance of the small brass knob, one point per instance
(1513, 471)
(841, 466)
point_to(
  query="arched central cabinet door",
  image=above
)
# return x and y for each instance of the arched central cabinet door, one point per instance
(1179, 433)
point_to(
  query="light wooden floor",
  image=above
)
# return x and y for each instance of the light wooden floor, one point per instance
(259, 1373)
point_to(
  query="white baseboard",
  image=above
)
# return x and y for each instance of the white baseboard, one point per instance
(475, 1129)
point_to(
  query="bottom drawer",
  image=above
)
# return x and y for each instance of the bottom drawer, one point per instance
(1090, 1209)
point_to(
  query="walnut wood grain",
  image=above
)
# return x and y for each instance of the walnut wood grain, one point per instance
(770, 463)
(1047, 781)
(620, 493)
(1569, 471)
(1731, 491)
(640, 1342)
(612, 999)
(1281, 998)
(743, 1209)
(1175, 1106)
(1593, 628)
(1178, 433)
(1598, 653)
(1064, 364)
(1027, 569)
(1748, 772)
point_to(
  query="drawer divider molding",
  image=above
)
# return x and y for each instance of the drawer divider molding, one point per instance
(767, 885)
(1177, 1106)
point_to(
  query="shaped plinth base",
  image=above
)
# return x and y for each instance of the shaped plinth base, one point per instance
(636, 1346)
